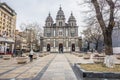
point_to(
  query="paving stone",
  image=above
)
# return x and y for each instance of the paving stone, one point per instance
(58, 69)
(58, 78)
(22, 71)
(8, 76)
(2, 70)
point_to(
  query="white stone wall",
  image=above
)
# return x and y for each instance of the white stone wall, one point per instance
(116, 40)
(116, 50)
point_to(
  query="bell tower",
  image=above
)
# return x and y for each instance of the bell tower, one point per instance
(49, 21)
(72, 20)
(60, 18)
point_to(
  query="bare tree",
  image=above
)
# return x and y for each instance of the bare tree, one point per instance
(32, 31)
(106, 13)
(93, 34)
(87, 37)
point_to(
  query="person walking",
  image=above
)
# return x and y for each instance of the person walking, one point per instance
(31, 55)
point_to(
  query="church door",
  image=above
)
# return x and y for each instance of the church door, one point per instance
(48, 47)
(60, 48)
(73, 47)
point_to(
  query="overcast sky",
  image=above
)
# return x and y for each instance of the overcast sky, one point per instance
(29, 11)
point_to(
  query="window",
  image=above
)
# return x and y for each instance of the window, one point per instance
(60, 23)
(72, 24)
(72, 34)
(48, 34)
(4, 16)
(60, 33)
(48, 24)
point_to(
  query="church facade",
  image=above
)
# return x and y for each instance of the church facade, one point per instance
(60, 36)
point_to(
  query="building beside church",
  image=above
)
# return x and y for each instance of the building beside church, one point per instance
(7, 28)
(60, 36)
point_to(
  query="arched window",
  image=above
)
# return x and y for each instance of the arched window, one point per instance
(72, 24)
(48, 24)
(60, 23)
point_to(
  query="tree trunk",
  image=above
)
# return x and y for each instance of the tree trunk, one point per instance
(96, 47)
(88, 46)
(108, 42)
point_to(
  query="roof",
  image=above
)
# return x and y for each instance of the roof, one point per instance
(49, 18)
(10, 11)
(71, 18)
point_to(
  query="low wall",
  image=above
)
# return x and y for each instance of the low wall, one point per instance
(97, 75)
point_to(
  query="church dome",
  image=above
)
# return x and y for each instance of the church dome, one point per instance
(71, 18)
(60, 14)
(49, 18)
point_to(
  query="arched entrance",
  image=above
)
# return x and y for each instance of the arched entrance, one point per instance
(60, 48)
(48, 47)
(73, 47)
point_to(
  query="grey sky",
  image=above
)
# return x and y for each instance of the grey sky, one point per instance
(29, 11)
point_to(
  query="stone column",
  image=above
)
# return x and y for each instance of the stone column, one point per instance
(54, 32)
(54, 42)
(12, 48)
(5, 49)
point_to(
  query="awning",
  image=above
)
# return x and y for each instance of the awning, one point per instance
(6, 40)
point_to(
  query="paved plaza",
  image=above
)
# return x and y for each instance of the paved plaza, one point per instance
(50, 67)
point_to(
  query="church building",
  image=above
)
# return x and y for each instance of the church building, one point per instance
(60, 36)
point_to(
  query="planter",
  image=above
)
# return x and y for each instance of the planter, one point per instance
(98, 60)
(21, 60)
(24, 55)
(35, 56)
(86, 56)
(91, 75)
(41, 55)
(99, 55)
(80, 55)
(6, 57)
(118, 57)
(45, 54)
(76, 54)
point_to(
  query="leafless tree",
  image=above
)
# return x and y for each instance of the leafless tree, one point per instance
(93, 34)
(32, 31)
(106, 13)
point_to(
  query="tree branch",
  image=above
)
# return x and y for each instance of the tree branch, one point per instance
(99, 14)
(111, 19)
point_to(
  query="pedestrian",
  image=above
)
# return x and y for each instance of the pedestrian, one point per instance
(31, 55)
